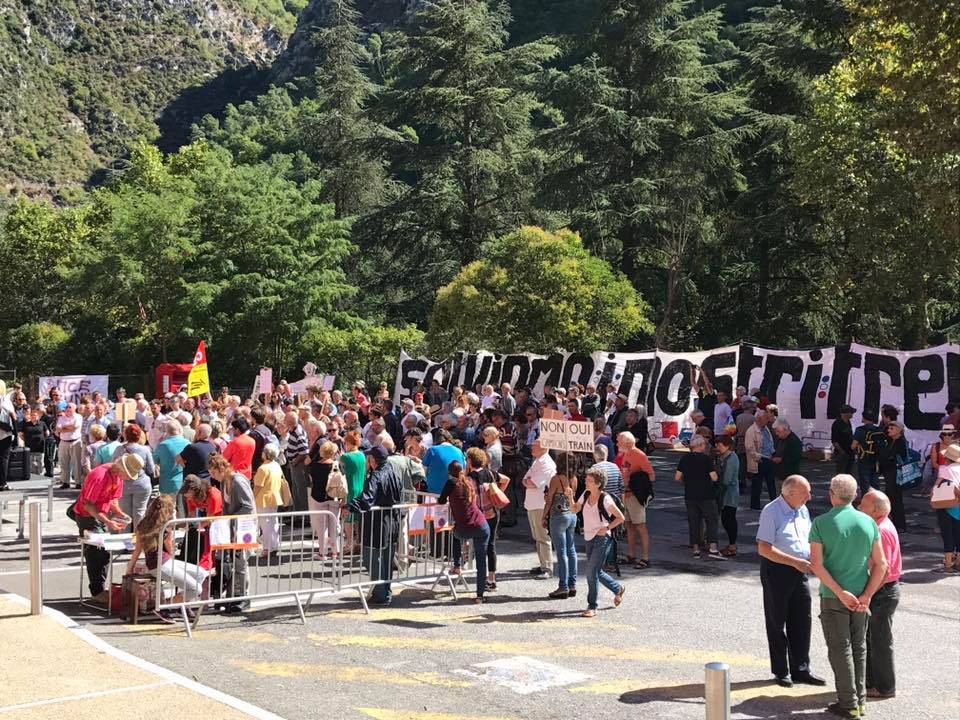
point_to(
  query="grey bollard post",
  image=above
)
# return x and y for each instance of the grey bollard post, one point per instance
(36, 556)
(22, 517)
(716, 688)
(50, 503)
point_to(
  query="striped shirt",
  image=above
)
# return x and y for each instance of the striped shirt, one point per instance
(296, 442)
(614, 484)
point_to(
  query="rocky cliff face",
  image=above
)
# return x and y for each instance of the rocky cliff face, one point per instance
(81, 79)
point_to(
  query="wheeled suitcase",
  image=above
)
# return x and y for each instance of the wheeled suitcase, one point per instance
(19, 466)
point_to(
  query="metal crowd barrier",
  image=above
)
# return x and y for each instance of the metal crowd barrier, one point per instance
(277, 556)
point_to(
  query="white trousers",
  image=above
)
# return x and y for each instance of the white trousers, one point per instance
(188, 578)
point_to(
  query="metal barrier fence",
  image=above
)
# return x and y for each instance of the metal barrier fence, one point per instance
(300, 556)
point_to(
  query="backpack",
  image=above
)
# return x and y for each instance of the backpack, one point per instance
(603, 510)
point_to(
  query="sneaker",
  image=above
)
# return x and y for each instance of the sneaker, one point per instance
(542, 575)
(715, 555)
(874, 693)
(839, 711)
(536, 571)
(559, 594)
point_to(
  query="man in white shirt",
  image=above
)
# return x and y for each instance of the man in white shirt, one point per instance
(70, 429)
(722, 413)
(535, 481)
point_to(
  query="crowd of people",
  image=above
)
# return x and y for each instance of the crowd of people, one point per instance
(479, 451)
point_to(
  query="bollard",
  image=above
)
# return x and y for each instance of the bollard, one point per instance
(716, 688)
(36, 554)
(21, 517)
(50, 503)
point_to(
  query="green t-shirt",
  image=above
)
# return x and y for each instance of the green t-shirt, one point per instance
(354, 466)
(847, 537)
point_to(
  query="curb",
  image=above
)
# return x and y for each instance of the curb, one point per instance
(168, 675)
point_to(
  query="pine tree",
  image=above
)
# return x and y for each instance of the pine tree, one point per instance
(345, 143)
(469, 99)
(646, 149)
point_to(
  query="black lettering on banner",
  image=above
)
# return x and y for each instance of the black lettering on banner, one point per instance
(606, 375)
(873, 365)
(843, 361)
(953, 377)
(913, 387)
(494, 378)
(584, 365)
(631, 369)
(651, 399)
(747, 362)
(548, 369)
(811, 383)
(678, 405)
(775, 368)
(452, 378)
(411, 370)
(435, 369)
(516, 371)
(474, 375)
(712, 363)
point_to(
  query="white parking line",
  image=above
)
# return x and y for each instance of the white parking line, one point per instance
(83, 696)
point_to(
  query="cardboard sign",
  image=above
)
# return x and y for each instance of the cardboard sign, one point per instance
(265, 384)
(566, 435)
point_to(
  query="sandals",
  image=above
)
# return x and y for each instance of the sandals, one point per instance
(492, 586)
(618, 598)
(728, 552)
(943, 569)
(641, 564)
(479, 600)
(589, 613)
(696, 554)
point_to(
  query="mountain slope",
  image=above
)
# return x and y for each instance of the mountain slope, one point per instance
(81, 79)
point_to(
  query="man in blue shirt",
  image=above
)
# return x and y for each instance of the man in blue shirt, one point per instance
(783, 542)
(438, 459)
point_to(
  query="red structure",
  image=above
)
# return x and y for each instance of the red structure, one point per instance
(170, 376)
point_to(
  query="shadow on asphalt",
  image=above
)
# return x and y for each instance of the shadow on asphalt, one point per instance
(761, 706)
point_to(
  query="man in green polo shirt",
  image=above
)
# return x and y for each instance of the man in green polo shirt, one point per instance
(846, 554)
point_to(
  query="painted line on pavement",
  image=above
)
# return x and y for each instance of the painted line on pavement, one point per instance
(82, 696)
(172, 677)
(384, 714)
(8, 573)
(392, 642)
(348, 673)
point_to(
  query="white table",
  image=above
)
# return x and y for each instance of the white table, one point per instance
(113, 543)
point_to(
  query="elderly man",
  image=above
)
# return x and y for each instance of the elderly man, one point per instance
(786, 458)
(881, 678)
(296, 451)
(783, 543)
(380, 529)
(638, 477)
(847, 555)
(69, 429)
(535, 481)
(759, 448)
(193, 457)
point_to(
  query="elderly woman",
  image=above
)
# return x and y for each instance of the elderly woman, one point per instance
(136, 492)
(266, 494)
(891, 455)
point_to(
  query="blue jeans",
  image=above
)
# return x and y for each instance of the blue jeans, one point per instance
(596, 554)
(380, 563)
(561, 532)
(867, 477)
(480, 537)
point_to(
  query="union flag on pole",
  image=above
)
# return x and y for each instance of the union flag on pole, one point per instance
(198, 382)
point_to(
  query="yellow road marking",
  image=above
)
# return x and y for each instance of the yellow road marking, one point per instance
(559, 649)
(384, 714)
(619, 687)
(400, 614)
(348, 673)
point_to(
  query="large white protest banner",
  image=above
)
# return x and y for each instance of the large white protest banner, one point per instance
(73, 387)
(809, 386)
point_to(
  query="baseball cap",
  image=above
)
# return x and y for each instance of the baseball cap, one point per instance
(847, 409)
(378, 453)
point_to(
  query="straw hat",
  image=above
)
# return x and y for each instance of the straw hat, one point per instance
(130, 466)
(952, 453)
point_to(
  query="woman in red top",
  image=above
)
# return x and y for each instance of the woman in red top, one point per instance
(202, 500)
(469, 523)
(240, 450)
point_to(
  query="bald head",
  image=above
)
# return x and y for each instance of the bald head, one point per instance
(796, 491)
(203, 432)
(876, 504)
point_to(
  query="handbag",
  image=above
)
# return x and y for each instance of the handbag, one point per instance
(336, 484)
(908, 469)
(943, 496)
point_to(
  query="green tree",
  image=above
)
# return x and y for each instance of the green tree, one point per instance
(368, 352)
(645, 151)
(469, 100)
(339, 134)
(537, 291)
(36, 348)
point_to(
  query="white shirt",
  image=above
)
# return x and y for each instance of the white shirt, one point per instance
(592, 521)
(540, 472)
(74, 434)
(489, 401)
(721, 414)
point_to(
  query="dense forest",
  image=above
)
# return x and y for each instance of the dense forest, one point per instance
(465, 174)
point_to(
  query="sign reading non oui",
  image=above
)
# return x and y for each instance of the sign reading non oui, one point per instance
(566, 435)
